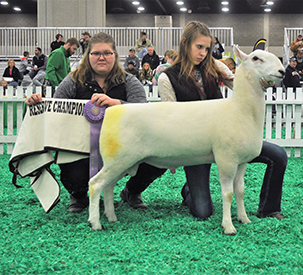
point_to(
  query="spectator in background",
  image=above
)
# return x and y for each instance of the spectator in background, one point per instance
(38, 64)
(132, 57)
(37, 73)
(217, 49)
(296, 44)
(84, 41)
(142, 44)
(58, 65)
(151, 58)
(146, 76)
(170, 56)
(57, 43)
(230, 63)
(131, 69)
(11, 73)
(4, 84)
(292, 76)
(25, 65)
(299, 67)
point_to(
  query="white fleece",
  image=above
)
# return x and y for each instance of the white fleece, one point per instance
(171, 134)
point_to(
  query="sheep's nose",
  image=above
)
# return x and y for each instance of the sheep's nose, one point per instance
(282, 72)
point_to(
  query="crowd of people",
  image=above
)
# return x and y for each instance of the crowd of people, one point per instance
(189, 75)
(50, 70)
(146, 65)
(294, 71)
(42, 70)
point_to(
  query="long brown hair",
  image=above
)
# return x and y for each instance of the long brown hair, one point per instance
(144, 73)
(116, 75)
(192, 30)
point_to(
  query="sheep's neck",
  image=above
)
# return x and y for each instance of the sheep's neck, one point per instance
(249, 95)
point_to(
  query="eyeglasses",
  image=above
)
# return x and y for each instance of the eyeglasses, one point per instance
(98, 54)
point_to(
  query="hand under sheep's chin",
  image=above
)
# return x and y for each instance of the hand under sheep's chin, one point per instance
(266, 84)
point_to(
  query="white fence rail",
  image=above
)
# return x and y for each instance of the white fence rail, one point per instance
(283, 118)
(14, 41)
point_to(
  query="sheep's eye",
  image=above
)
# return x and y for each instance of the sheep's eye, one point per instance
(255, 58)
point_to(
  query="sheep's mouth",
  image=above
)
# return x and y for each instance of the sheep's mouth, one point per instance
(277, 76)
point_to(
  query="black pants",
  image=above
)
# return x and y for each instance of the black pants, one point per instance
(197, 191)
(276, 159)
(75, 177)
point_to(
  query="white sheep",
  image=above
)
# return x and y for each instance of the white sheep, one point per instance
(228, 132)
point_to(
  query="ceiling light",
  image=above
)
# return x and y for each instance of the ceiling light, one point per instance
(269, 3)
(267, 10)
(136, 3)
(225, 9)
(183, 9)
(4, 3)
(180, 3)
(141, 8)
(17, 9)
(224, 3)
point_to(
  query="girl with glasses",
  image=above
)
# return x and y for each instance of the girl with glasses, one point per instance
(100, 79)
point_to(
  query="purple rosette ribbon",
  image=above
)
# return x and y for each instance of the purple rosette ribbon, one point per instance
(94, 114)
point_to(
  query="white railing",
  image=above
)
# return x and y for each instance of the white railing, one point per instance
(282, 126)
(14, 41)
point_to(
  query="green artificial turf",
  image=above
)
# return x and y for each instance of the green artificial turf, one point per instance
(165, 239)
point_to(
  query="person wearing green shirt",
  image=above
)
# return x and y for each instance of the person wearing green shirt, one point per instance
(58, 65)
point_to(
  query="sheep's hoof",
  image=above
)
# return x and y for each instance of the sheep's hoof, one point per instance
(96, 227)
(244, 220)
(230, 234)
(111, 217)
(230, 230)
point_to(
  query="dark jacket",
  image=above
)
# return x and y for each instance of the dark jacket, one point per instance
(292, 77)
(91, 87)
(153, 60)
(217, 51)
(40, 61)
(15, 74)
(133, 71)
(56, 45)
(188, 90)
(299, 67)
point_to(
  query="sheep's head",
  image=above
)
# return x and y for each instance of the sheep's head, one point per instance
(260, 64)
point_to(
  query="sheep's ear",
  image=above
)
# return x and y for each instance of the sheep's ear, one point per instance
(239, 54)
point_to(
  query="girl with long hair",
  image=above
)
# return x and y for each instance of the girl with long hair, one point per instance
(100, 79)
(195, 75)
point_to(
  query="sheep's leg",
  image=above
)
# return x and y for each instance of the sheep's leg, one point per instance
(239, 194)
(95, 189)
(103, 181)
(109, 209)
(227, 172)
